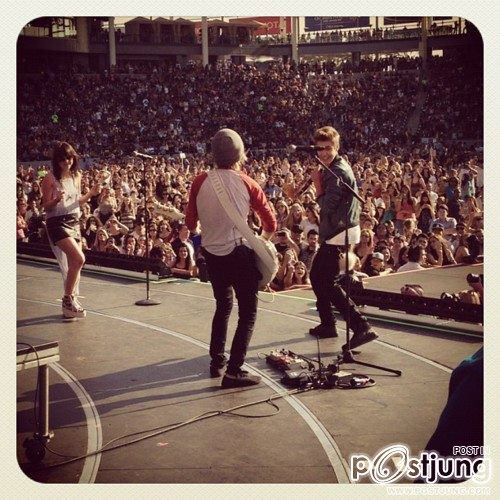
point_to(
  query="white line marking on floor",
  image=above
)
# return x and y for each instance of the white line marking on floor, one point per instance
(211, 299)
(417, 356)
(307, 320)
(94, 430)
(279, 313)
(338, 463)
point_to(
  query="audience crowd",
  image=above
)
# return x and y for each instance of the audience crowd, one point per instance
(424, 199)
(178, 109)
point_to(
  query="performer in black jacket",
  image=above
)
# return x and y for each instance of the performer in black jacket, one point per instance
(334, 202)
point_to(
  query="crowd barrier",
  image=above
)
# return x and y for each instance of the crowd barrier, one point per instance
(457, 311)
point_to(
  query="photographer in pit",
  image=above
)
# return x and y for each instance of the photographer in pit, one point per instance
(472, 296)
(476, 282)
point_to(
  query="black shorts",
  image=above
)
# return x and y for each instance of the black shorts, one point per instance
(64, 226)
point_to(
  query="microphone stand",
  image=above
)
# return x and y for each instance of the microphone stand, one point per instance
(147, 301)
(346, 356)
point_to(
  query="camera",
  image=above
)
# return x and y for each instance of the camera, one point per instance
(475, 278)
(450, 297)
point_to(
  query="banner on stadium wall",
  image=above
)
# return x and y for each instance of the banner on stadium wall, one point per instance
(407, 20)
(272, 24)
(333, 23)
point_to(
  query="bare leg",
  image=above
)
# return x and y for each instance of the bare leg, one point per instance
(77, 284)
(76, 259)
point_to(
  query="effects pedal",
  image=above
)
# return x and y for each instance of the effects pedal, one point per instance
(285, 360)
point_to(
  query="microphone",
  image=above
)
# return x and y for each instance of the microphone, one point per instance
(292, 148)
(305, 149)
(142, 155)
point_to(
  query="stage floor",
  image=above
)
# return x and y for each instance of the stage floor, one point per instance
(126, 369)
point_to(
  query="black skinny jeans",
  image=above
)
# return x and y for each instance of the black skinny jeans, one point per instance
(324, 281)
(234, 271)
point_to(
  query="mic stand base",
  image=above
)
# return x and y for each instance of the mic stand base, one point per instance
(147, 302)
(346, 357)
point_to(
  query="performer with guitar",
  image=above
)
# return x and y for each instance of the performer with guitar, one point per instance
(230, 260)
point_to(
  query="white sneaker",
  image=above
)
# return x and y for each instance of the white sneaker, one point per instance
(71, 308)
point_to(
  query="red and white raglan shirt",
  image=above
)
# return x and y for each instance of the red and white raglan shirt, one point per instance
(219, 234)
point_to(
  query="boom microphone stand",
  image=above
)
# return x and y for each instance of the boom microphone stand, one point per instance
(147, 301)
(346, 355)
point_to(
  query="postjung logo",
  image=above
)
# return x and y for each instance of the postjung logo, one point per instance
(394, 463)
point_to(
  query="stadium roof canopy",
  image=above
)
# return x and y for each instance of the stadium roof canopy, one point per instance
(218, 22)
(162, 20)
(139, 19)
(182, 20)
(252, 23)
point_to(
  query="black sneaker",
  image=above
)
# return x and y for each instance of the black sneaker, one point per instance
(240, 379)
(324, 332)
(216, 371)
(360, 339)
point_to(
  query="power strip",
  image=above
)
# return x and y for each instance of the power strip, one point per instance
(298, 379)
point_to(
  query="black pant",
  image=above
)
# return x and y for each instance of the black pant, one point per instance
(324, 280)
(234, 271)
